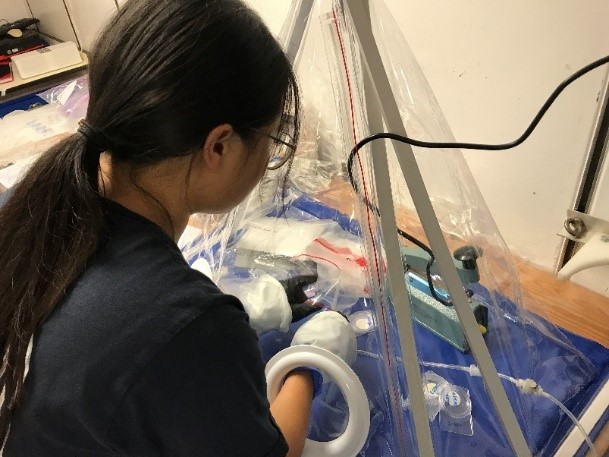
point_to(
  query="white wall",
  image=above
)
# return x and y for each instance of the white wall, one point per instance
(492, 65)
(600, 203)
(12, 10)
(273, 12)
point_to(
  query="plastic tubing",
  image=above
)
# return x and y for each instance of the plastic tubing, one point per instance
(526, 386)
(574, 419)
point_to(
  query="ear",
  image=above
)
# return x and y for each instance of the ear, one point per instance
(217, 144)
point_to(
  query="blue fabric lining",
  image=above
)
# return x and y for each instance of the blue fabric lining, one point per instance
(547, 427)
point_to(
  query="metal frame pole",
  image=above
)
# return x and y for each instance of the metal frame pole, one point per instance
(396, 284)
(381, 88)
(302, 13)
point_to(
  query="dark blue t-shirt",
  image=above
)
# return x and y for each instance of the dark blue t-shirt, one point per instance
(144, 357)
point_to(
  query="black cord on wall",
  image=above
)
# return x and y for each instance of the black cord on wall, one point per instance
(477, 146)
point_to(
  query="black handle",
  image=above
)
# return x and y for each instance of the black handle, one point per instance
(468, 255)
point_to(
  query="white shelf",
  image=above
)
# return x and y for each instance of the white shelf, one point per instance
(18, 82)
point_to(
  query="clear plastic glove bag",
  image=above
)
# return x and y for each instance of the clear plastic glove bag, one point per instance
(350, 258)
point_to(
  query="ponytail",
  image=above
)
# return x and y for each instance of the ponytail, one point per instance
(152, 97)
(50, 227)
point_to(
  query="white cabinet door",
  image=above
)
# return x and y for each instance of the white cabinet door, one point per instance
(11, 10)
(89, 17)
(54, 19)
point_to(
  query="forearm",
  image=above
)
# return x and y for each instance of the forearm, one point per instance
(292, 410)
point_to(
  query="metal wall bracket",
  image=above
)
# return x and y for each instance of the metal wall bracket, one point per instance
(593, 234)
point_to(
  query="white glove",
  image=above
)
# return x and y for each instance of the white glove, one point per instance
(202, 266)
(331, 331)
(264, 300)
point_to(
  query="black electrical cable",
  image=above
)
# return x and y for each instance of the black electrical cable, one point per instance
(416, 242)
(430, 262)
(490, 147)
(454, 145)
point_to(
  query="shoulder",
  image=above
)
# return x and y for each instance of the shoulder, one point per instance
(204, 390)
(137, 263)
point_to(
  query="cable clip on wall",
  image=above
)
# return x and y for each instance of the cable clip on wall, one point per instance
(593, 235)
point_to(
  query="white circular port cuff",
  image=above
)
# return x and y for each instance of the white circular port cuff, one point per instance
(353, 439)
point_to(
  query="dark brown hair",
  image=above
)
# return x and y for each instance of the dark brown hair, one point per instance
(162, 75)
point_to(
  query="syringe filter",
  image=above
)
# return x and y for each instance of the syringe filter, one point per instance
(456, 402)
(362, 322)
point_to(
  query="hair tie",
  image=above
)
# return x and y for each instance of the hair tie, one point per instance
(94, 136)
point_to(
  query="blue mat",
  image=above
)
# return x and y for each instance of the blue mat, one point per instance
(551, 364)
(553, 368)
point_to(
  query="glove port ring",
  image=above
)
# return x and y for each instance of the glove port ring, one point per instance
(356, 433)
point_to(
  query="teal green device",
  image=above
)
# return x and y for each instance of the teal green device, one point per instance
(437, 314)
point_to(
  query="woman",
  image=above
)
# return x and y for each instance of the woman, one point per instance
(135, 353)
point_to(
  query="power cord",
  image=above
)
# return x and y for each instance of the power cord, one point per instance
(454, 145)
(430, 262)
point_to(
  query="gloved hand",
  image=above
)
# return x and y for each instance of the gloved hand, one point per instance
(329, 330)
(264, 300)
(270, 304)
(301, 305)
